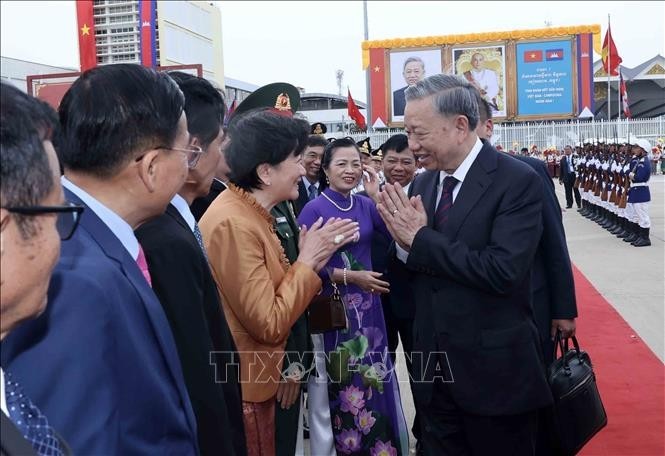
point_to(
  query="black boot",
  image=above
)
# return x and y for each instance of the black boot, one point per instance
(602, 218)
(626, 230)
(619, 227)
(634, 233)
(609, 221)
(643, 240)
(582, 210)
(594, 212)
(615, 223)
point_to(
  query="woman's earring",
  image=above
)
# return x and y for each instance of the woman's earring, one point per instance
(327, 180)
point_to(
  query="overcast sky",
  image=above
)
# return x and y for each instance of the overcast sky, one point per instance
(304, 43)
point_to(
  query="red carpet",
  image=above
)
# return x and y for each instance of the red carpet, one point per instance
(630, 379)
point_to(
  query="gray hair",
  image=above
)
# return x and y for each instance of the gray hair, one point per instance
(452, 95)
(414, 59)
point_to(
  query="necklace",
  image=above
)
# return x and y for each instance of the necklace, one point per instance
(337, 206)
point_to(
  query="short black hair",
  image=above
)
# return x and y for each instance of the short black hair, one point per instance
(329, 153)
(316, 141)
(113, 111)
(204, 106)
(26, 177)
(262, 136)
(399, 143)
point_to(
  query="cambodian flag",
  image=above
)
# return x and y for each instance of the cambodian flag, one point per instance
(147, 19)
(554, 54)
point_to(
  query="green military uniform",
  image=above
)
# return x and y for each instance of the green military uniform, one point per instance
(299, 341)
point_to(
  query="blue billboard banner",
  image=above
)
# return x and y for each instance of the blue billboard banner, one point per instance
(544, 78)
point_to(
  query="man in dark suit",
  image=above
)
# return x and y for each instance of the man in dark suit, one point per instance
(567, 178)
(308, 186)
(34, 219)
(413, 71)
(104, 335)
(186, 289)
(552, 283)
(468, 240)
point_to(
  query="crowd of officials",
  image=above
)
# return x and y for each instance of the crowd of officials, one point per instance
(158, 267)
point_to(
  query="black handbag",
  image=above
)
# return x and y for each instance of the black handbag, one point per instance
(327, 313)
(578, 411)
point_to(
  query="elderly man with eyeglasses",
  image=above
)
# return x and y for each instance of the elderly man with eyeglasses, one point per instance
(109, 375)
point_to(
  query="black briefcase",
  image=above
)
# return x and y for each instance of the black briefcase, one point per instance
(578, 410)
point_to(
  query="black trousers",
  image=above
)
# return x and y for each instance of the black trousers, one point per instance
(570, 189)
(447, 430)
(286, 428)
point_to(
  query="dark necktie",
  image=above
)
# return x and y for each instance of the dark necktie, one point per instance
(445, 203)
(199, 239)
(29, 420)
(313, 192)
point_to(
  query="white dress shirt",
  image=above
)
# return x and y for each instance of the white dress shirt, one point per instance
(183, 209)
(3, 399)
(459, 174)
(115, 223)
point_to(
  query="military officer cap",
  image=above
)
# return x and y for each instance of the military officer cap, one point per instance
(365, 147)
(280, 97)
(377, 154)
(319, 128)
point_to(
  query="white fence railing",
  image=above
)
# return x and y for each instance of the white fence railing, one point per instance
(547, 133)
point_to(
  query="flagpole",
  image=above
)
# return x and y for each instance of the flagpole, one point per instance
(609, 66)
(368, 103)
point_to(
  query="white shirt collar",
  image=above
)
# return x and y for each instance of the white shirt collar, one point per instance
(3, 399)
(462, 170)
(183, 208)
(115, 223)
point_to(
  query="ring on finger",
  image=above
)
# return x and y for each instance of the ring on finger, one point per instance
(395, 211)
(338, 239)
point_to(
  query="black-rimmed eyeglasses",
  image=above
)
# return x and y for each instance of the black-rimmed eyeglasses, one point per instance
(68, 214)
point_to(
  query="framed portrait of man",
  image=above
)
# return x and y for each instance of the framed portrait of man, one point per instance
(407, 67)
(485, 68)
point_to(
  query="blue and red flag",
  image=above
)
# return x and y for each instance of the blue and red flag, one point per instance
(554, 54)
(147, 23)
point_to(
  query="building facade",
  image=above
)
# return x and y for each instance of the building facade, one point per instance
(645, 85)
(186, 32)
(329, 109)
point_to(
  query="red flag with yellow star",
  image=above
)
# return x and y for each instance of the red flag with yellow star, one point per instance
(610, 54)
(86, 34)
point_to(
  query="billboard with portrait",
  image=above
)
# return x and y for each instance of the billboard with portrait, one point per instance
(544, 78)
(407, 67)
(485, 68)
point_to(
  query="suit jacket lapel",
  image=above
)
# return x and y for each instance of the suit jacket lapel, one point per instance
(173, 212)
(475, 184)
(427, 192)
(113, 248)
